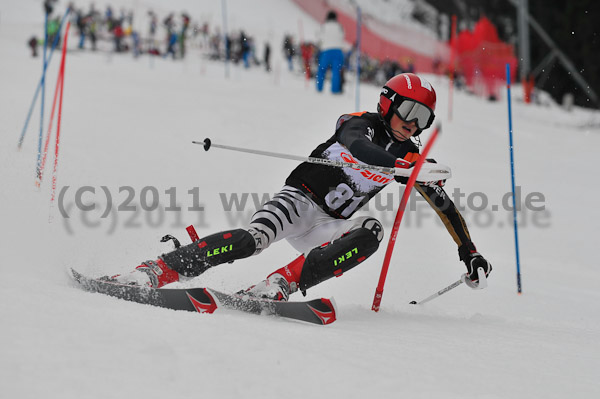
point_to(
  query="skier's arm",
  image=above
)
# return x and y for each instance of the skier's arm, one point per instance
(447, 211)
(354, 135)
(456, 226)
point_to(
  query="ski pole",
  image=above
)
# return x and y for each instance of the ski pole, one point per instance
(432, 171)
(440, 292)
(479, 285)
(207, 143)
(390, 248)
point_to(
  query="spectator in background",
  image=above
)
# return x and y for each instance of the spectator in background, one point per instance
(245, 49)
(215, 45)
(172, 43)
(204, 31)
(81, 27)
(53, 27)
(289, 51)
(267, 57)
(152, 29)
(93, 30)
(118, 35)
(169, 24)
(331, 57)
(307, 52)
(137, 45)
(49, 6)
(108, 16)
(227, 48)
(185, 24)
(33, 45)
(252, 46)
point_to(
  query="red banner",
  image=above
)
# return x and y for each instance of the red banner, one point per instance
(482, 58)
(382, 41)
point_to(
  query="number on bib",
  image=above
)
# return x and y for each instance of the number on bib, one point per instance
(341, 195)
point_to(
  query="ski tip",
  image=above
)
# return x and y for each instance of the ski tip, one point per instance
(329, 317)
(208, 304)
(327, 314)
(333, 305)
(74, 274)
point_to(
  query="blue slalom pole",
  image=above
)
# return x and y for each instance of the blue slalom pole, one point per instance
(358, 29)
(224, 12)
(512, 173)
(39, 86)
(43, 83)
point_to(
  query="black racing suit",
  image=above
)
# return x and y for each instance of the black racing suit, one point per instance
(362, 138)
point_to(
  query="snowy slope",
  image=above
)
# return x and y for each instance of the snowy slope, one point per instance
(129, 123)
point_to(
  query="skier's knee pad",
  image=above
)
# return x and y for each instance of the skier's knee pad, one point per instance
(336, 258)
(194, 259)
(374, 226)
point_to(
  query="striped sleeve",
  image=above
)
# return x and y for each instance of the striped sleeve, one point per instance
(447, 211)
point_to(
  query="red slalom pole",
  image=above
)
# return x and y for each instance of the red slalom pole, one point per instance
(60, 101)
(40, 170)
(390, 248)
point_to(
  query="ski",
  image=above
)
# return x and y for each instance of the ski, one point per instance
(206, 300)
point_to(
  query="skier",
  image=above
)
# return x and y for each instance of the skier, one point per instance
(313, 210)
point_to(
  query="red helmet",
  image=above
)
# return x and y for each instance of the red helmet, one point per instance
(411, 98)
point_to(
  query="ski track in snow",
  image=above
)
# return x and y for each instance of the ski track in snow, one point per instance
(130, 123)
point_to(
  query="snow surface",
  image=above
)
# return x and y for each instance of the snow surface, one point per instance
(130, 123)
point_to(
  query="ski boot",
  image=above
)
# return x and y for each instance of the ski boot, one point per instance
(275, 288)
(153, 274)
(280, 284)
(322, 263)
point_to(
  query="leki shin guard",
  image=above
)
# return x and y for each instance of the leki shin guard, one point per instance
(194, 259)
(337, 257)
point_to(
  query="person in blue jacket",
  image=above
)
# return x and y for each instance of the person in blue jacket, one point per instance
(331, 56)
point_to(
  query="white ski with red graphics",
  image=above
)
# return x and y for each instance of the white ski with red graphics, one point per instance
(206, 300)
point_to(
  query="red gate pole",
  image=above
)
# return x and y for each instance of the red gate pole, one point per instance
(390, 248)
(59, 117)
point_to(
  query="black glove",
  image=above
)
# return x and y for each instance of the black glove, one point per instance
(473, 260)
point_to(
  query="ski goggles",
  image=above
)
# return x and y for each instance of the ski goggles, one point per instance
(410, 110)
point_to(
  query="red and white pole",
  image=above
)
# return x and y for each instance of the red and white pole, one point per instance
(390, 248)
(60, 101)
(40, 171)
